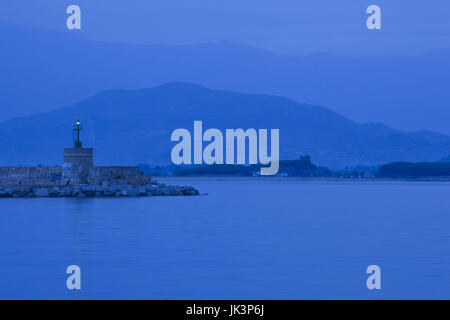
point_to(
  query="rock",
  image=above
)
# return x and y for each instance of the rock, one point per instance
(108, 193)
(99, 191)
(172, 191)
(143, 191)
(54, 192)
(67, 192)
(88, 190)
(18, 194)
(132, 192)
(189, 191)
(76, 191)
(9, 192)
(106, 184)
(41, 192)
(156, 191)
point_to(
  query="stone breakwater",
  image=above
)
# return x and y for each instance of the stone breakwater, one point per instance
(86, 191)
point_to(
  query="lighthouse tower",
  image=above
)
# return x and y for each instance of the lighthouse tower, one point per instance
(77, 160)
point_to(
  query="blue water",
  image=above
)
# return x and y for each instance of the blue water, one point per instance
(263, 239)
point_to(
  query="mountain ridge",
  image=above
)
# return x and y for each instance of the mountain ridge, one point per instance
(134, 126)
(43, 69)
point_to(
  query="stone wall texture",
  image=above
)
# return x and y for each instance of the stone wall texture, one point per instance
(117, 175)
(79, 157)
(52, 176)
(30, 175)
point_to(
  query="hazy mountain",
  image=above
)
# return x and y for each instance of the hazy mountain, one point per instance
(130, 127)
(43, 69)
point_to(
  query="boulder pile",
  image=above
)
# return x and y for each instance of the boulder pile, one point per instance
(85, 191)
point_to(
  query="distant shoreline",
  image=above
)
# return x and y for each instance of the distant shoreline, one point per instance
(328, 179)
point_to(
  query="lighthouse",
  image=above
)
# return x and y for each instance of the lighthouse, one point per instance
(77, 160)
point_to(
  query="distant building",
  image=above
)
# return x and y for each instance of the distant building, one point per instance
(368, 175)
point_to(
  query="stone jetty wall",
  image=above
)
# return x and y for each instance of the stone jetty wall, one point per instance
(117, 175)
(30, 182)
(30, 176)
(53, 176)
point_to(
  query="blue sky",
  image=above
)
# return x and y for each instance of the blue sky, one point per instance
(293, 27)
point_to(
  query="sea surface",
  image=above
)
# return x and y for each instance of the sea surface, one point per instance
(246, 239)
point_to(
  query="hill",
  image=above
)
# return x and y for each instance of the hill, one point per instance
(44, 69)
(134, 126)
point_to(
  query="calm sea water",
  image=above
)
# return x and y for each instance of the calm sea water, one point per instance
(261, 239)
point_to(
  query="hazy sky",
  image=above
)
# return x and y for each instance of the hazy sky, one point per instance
(294, 27)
